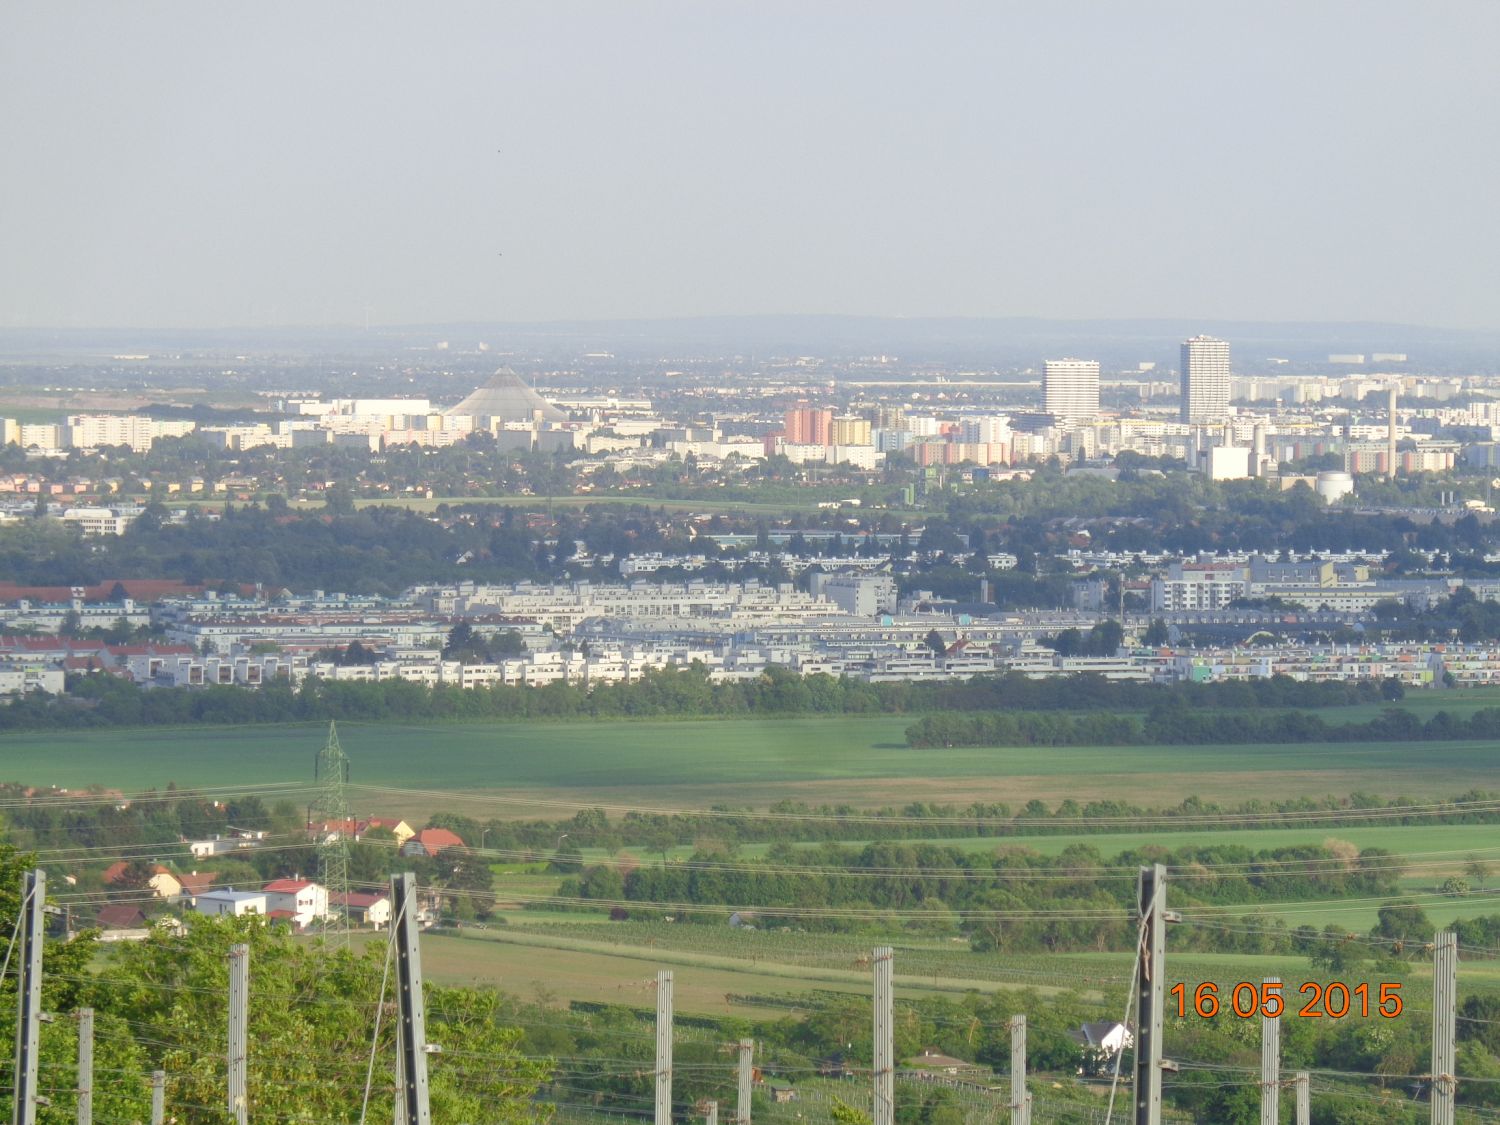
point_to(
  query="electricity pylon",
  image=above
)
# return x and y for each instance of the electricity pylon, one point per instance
(331, 822)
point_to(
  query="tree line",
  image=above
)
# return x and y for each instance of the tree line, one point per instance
(992, 897)
(93, 701)
(1182, 726)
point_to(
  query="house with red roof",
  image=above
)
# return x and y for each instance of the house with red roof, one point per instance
(120, 916)
(365, 908)
(431, 841)
(305, 901)
(194, 884)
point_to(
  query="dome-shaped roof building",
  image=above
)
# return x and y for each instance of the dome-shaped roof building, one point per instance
(506, 398)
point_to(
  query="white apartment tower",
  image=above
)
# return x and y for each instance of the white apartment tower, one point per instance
(1205, 380)
(1070, 390)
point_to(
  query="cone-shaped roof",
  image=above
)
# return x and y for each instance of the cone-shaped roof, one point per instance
(507, 398)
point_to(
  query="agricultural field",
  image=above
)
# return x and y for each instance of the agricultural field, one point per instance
(499, 769)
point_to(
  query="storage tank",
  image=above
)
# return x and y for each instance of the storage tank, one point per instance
(1334, 484)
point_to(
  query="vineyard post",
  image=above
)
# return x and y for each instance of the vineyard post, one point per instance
(1270, 1062)
(744, 1086)
(1444, 1026)
(411, 1031)
(85, 1066)
(884, 1071)
(1303, 1086)
(1151, 897)
(158, 1097)
(29, 995)
(1020, 1101)
(663, 1114)
(239, 1013)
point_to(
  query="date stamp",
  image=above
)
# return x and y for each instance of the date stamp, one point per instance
(1269, 999)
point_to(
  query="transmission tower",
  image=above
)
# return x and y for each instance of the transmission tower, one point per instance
(331, 822)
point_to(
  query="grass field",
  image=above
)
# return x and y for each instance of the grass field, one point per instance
(501, 769)
(770, 974)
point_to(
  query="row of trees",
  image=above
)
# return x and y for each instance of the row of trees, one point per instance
(940, 888)
(94, 701)
(1183, 726)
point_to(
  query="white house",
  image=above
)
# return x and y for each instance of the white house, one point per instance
(371, 909)
(219, 845)
(1102, 1043)
(301, 899)
(230, 902)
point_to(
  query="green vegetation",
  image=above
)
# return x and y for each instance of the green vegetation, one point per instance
(695, 763)
(158, 1004)
(1176, 724)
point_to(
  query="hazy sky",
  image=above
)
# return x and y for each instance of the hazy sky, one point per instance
(192, 164)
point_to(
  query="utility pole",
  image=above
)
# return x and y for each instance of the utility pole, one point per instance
(1020, 1101)
(158, 1097)
(85, 1066)
(711, 1114)
(411, 1035)
(744, 1089)
(1302, 1084)
(331, 822)
(1151, 898)
(239, 1016)
(1270, 1062)
(663, 1047)
(29, 996)
(884, 1072)
(1444, 1026)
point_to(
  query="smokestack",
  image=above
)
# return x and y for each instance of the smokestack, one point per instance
(1390, 452)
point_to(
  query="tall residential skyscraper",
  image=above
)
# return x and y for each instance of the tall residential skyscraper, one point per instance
(1205, 380)
(1070, 389)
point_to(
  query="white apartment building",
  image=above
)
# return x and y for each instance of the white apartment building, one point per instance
(1198, 586)
(91, 431)
(861, 595)
(1205, 380)
(94, 522)
(1070, 390)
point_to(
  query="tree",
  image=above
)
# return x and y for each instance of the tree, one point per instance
(1157, 634)
(936, 643)
(311, 1023)
(845, 1114)
(1478, 870)
(464, 644)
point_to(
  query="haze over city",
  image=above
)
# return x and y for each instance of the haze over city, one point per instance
(279, 164)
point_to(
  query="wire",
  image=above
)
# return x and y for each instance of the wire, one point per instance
(1135, 976)
(390, 947)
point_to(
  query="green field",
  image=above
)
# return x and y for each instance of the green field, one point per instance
(495, 769)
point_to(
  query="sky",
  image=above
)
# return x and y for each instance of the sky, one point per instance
(176, 164)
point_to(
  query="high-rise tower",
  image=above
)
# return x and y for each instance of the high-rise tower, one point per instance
(1070, 389)
(1205, 380)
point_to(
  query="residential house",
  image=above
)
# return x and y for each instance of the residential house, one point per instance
(193, 884)
(364, 908)
(230, 903)
(120, 916)
(302, 901)
(1101, 1042)
(162, 882)
(431, 841)
(219, 845)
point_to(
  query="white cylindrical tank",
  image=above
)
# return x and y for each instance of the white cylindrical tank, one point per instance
(1333, 485)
